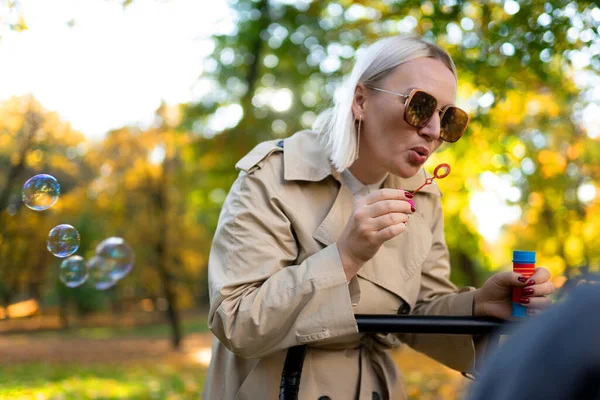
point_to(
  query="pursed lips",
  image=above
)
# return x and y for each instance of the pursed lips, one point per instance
(422, 151)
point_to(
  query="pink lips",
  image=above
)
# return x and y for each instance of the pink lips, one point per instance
(422, 151)
(418, 155)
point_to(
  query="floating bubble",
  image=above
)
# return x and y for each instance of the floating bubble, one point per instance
(117, 250)
(63, 240)
(73, 271)
(99, 270)
(40, 192)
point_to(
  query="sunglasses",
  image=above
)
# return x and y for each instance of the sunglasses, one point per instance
(420, 106)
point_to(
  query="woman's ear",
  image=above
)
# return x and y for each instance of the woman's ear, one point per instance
(358, 101)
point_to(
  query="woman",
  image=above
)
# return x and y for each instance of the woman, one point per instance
(322, 225)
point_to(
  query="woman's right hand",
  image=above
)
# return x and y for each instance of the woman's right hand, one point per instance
(377, 218)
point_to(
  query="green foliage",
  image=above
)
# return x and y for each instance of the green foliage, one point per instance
(515, 76)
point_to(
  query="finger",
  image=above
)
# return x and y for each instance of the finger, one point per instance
(541, 289)
(539, 276)
(386, 194)
(390, 232)
(532, 312)
(539, 303)
(390, 219)
(389, 206)
(509, 279)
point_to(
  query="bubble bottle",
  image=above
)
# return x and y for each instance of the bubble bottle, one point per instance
(524, 264)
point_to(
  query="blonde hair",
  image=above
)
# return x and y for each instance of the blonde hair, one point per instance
(373, 64)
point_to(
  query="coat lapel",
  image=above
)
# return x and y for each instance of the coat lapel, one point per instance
(398, 259)
(335, 221)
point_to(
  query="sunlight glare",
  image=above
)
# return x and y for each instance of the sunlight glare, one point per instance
(586, 192)
(203, 356)
(282, 100)
(101, 77)
(157, 155)
(490, 205)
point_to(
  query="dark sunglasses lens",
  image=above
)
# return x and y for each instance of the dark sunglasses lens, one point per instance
(419, 109)
(453, 124)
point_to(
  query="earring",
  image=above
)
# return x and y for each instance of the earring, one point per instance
(357, 137)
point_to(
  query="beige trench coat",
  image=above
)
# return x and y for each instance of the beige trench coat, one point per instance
(276, 281)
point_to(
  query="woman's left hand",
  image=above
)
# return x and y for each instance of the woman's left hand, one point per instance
(494, 299)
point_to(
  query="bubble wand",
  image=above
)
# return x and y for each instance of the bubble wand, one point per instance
(441, 171)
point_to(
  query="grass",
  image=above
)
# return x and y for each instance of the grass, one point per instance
(39, 381)
(169, 375)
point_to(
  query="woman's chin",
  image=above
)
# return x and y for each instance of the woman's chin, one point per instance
(407, 171)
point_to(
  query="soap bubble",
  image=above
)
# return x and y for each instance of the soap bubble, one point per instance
(118, 251)
(63, 240)
(73, 271)
(40, 192)
(99, 270)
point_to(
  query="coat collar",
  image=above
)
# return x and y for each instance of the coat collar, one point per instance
(305, 159)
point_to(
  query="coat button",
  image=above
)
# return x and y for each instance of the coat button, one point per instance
(404, 309)
(376, 396)
(324, 398)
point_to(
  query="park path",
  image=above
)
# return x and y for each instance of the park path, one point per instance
(35, 348)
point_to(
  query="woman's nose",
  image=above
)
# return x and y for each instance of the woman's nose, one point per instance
(432, 129)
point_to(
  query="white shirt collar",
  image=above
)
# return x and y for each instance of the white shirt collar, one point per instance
(359, 188)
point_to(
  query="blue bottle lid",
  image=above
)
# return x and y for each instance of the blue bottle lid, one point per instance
(524, 257)
(519, 310)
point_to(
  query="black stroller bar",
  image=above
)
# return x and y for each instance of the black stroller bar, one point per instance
(448, 325)
(375, 323)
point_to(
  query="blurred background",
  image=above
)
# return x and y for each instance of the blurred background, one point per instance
(140, 109)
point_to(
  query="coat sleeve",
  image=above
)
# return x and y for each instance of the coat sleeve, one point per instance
(260, 301)
(439, 296)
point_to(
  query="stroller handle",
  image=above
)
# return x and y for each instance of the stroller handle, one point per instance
(448, 325)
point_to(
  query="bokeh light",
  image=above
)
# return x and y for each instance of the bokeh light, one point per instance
(511, 7)
(73, 271)
(40, 192)
(120, 255)
(586, 192)
(63, 240)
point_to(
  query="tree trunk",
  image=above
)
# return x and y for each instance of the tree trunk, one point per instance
(172, 312)
(63, 310)
(166, 278)
(252, 77)
(6, 297)
(36, 277)
(252, 74)
(465, 264)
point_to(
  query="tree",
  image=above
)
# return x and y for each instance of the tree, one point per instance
(282, 63)
(33, 141)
